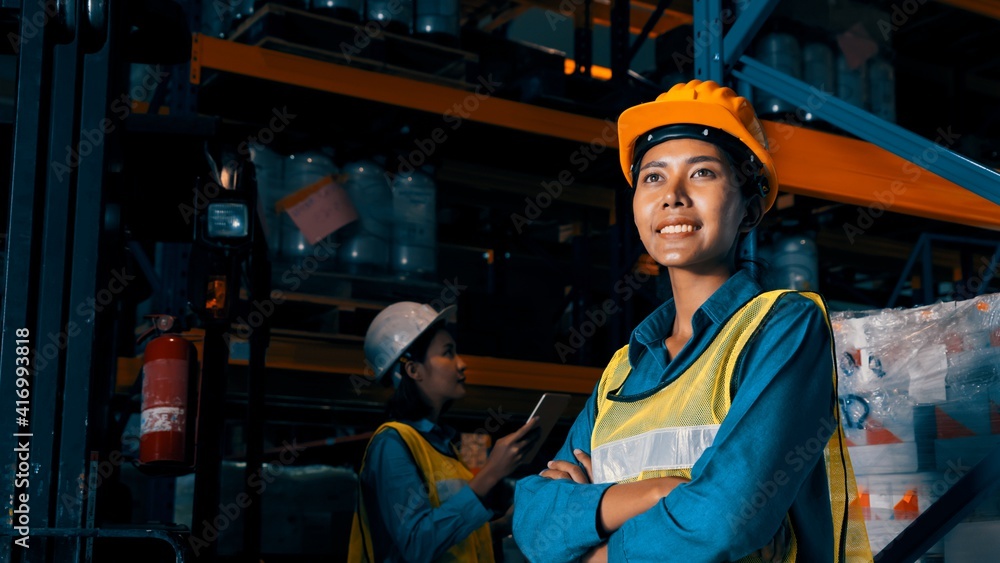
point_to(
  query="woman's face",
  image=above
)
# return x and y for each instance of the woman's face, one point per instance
(687, 207)
(441, 376)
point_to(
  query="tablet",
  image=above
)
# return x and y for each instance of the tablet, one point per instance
(548, 410)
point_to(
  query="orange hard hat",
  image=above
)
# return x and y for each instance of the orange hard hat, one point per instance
(700, 110)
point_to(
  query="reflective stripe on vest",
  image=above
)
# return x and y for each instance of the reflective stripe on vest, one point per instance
(699, 397)
(627, 430)
(660, 449)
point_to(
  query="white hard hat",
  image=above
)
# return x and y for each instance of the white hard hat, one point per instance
(393, 331)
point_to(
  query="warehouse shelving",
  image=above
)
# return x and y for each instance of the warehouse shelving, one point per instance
(315, 355)
(812, 162)
(71, 259)
(258, 62)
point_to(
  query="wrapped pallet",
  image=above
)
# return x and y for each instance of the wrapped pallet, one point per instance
(919, 392)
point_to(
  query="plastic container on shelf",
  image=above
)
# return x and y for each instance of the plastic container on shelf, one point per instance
(781, 52)
(242, 11)
(794, 263)
(216, 22)
(270, 170)
(220, 17)
(301, 170)
(818, 71)
(882, 88)
(414, 225)
(394, 15)
(437, 17)
(852, 83)
(139, 87)
(349, 10)
(366, 244)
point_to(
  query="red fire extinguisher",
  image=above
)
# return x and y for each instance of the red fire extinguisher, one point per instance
(169, 398)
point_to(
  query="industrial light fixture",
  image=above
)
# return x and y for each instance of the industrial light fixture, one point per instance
(227, 220)
(224, 236)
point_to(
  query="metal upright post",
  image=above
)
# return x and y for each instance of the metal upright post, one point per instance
(654, 18)
(625, 250)
(708, 40)
(87, 372)
(580, 291)
(56, 314)
(583, 40)
(208, 479)
(927, 275)
(184, 94)
(748, 22)
(260, 290)
(910, 262)
(990, 271)
(620, 23)
(618, 327)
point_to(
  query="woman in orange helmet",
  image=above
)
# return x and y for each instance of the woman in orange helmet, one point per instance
(705, 438)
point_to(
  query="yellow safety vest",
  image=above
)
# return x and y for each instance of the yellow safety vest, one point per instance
(439, 472)
(663, 434)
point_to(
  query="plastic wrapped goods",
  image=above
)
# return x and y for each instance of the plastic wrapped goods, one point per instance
(919, 393)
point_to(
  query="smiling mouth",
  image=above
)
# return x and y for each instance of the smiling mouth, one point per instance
(674, 229)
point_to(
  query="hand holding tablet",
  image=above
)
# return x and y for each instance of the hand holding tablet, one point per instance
(548, 410)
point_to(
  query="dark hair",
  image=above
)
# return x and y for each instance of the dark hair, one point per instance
(406, 403)
(747, 183)
(757, 268)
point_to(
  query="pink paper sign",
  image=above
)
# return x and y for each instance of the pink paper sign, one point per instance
(323, 212)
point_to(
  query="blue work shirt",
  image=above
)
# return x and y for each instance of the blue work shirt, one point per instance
(765, 462)
(404, 525)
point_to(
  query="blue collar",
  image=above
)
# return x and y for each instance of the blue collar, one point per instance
(428, 428)
(716, 310)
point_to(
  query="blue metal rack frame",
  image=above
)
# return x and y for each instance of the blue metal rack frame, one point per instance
(720, 56)
(708, 40)
(967, 173)
(922, 252)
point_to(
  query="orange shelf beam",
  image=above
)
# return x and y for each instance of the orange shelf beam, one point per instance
(810, 163)
(836, 168)
(478, 105)
(323, 357)
(988, 8)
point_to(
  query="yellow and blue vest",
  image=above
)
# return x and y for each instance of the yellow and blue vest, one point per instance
(665, 431)
(439, 472)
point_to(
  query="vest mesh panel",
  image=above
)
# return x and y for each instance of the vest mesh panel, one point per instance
(701, 396)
